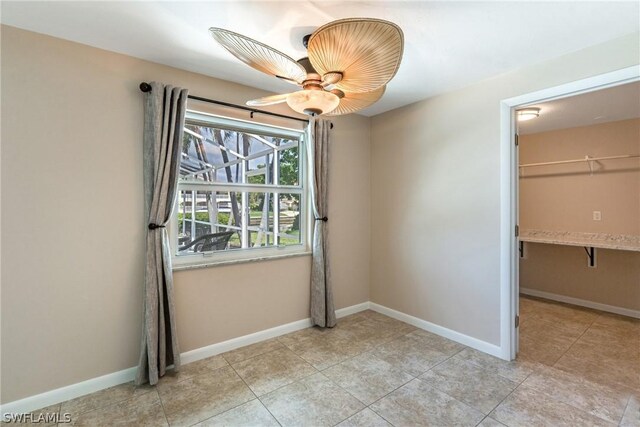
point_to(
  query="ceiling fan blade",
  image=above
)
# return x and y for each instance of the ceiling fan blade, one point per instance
(268, 100)
(366, 51)
(352, 102)
(259, 55)
(288, 80)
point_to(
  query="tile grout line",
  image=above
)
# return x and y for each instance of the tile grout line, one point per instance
(380, 415)
(256, 396)
(415, 378)
(288, 384)
(485, 417)
(209, 370)
(362, 353)
(509, 394)
(282, 386)
(117, 402)
(255, 355)
(576, 340)
(479, 365)
(350, 394)
(501, 402)
(624, 411)
(234, 407)
(578, 377)
(164, 412)
(496, 374)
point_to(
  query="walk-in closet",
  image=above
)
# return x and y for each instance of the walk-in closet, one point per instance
(579, 234)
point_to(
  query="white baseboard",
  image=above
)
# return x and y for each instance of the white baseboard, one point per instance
(72, 391)
(96, 384)
(232, 344)
(581, 302)
(353, 309)
(483, 346)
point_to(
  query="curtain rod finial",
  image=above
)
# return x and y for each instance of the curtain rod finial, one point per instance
(145, 87)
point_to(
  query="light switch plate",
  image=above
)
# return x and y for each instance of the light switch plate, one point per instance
(597, 216)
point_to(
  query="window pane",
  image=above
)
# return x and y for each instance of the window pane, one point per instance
(289, 219)
(209, 154)
(208, 221)
(289, 166)
(211, 218)
(261, 219)
(261, 156)
(214, 154)
(260, 170)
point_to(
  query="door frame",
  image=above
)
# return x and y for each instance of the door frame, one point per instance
(509, 259)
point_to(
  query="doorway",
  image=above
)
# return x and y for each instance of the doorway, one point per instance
(579, 232)
(510, 242)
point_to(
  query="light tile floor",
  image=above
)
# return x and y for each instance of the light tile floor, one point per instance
(577, 367)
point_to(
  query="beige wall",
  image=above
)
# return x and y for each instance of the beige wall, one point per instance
(436, 193)
(563, 198)
(562, 270)
(73, 231)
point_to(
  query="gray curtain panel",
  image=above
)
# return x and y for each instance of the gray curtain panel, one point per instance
(323, 312)
(164, 112)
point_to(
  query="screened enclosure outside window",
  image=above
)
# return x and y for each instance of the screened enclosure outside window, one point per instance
(240, 192)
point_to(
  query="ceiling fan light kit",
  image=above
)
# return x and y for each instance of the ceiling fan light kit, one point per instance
(349, 64)
(313, 102)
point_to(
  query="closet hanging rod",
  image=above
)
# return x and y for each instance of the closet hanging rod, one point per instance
(587, 159)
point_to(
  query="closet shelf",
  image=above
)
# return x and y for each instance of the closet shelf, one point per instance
(623, 242)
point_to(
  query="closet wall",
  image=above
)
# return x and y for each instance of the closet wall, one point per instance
(563, 198)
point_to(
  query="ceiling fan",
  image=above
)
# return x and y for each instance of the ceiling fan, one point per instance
(350, 61)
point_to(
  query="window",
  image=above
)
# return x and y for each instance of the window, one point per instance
(241, 192)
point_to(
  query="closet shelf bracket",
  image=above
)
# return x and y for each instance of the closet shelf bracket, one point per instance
(590, 162)
(591, 253)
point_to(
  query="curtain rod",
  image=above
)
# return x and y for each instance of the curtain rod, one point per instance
(146, 87)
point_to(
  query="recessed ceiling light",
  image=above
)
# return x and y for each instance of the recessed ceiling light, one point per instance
(528, 114)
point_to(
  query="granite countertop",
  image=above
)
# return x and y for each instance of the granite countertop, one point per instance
(624, 242)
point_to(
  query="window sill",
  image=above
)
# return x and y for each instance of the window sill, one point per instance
(238, 261)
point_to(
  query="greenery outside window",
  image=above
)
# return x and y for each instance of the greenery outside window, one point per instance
(241, 192)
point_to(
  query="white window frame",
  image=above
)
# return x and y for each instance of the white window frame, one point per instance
(212, 258)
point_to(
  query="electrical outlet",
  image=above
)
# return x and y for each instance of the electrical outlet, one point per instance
(597, 216)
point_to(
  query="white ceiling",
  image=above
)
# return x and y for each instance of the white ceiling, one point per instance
(601, 106)
(448, 44)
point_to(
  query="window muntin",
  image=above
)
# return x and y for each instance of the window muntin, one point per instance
(240, 191)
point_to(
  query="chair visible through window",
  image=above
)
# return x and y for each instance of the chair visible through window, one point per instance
(209, 242)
